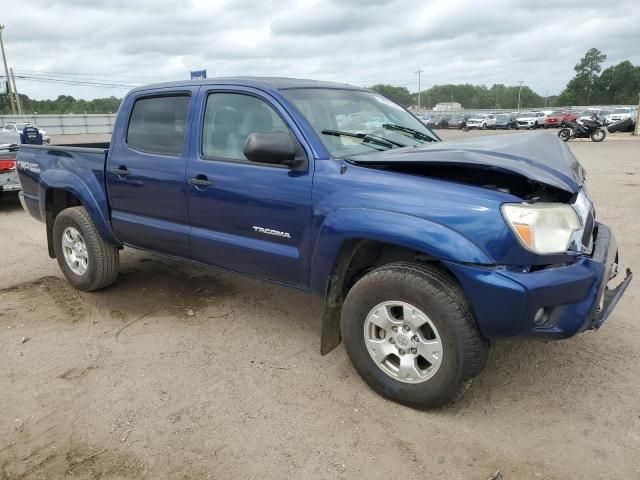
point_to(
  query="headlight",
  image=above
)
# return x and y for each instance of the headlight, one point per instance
(542, 227)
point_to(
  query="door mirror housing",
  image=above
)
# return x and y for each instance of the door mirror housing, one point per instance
(276, 148)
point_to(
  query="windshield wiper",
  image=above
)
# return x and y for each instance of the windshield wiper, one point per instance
(364, 136)
(417, 134)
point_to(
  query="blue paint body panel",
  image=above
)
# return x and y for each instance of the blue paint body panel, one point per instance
(323, 206)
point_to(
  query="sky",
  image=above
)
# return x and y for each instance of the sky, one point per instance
(56, 46)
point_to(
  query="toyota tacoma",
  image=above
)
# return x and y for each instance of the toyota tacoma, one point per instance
(423, 250)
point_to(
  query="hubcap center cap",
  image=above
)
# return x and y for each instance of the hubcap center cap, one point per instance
(403, 340)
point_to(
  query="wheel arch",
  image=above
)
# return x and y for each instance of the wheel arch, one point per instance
(355, 254)
(61, 190)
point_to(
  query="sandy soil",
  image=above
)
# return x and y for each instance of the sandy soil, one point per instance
(182, 372)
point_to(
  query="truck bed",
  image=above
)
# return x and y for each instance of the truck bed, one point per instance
(68, 167)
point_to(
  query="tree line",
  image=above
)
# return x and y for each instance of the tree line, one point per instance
(616, 85)
(64, 104)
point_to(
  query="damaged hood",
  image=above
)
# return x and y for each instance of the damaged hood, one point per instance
(540, 157)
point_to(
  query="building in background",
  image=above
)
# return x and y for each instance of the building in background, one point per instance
(447, 107)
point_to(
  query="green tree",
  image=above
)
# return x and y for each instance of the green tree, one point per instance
(399, 95)
(580, 87)
(618, 84)
(64, 104)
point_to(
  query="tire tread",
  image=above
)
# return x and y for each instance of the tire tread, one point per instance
(107, 258)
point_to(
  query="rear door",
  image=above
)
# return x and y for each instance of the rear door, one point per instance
(146, 172)
(247, 217)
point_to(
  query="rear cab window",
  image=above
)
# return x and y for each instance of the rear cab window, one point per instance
(158, 124)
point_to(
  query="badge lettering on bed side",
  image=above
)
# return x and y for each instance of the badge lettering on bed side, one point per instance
(31, 167)
(269, 231)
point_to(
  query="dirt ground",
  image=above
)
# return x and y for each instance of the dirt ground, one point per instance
(182, 372)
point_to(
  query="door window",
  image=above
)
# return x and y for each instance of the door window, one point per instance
(158, 124)
(229, 118)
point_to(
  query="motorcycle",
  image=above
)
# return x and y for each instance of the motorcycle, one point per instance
(582, 129)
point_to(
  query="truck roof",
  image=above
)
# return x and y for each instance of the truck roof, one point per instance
(277, 83)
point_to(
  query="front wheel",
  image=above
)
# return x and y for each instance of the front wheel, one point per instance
(411, 336)
(598, 135)
(86, 260)
(564, 134)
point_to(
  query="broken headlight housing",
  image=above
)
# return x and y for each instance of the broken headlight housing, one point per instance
(543, 228)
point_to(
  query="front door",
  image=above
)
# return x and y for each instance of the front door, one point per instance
(146, 173)
(246, 217)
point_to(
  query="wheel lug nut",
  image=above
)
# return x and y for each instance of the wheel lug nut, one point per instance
(395, 329)
(391, 340)
(415, 338)
(406, 328)
(414, 350)
(401, 352)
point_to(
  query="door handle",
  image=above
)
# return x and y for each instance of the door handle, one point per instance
(121, 171)
(200, 181)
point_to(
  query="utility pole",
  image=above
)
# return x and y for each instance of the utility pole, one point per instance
(15, 91)
(546, 95)
(419, 88)
(6, 71)
(519, 90)
(636, 131)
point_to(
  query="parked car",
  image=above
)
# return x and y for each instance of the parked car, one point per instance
(8, 173)
(458, 121)
(482, 120)
(14, 127)
(504, 121)
(593, 114)
(619, 114)
(556, 118)
(424, 117)
(438, 121)
(422, 250)
(530, 120)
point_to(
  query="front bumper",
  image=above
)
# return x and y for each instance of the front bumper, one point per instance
(574, 297)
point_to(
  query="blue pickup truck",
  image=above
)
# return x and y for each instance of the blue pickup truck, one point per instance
(423, 250)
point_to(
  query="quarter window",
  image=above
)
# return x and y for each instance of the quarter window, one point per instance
(230, 118)
(158, 124)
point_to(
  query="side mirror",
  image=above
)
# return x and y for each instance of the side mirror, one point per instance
(273, 148)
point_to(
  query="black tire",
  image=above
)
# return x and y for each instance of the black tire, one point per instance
(599, 135)
(103, 258)
(564, 134)
(465, 351)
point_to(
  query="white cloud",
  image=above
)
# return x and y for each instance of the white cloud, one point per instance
(362, 42)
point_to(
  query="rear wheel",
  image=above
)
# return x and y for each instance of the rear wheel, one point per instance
(410, 335)
(87, 261)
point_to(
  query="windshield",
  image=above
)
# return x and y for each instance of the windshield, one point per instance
(502, 117)
(621, 110)
(355, 117)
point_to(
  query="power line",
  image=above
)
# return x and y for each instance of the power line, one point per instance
(63, 81)
(96, 75)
